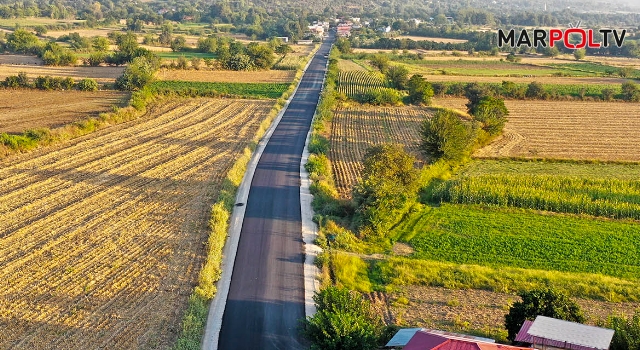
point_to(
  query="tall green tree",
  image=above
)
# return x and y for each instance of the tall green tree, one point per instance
(420, 91)
(446, 136)
(397, 77)
(389, 183)
(541, 302)
(492, 113)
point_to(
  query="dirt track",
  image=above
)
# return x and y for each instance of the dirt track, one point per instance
(102, 239)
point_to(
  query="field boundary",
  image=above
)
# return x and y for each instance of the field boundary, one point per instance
(218, 304)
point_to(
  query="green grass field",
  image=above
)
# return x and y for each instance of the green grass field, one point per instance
(495, 237)
(576, 169)
(247, 90)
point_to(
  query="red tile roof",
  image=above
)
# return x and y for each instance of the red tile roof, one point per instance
(423, 340)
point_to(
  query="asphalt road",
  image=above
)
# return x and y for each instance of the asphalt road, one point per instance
(266, 296)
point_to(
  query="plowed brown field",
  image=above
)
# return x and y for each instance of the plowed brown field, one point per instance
(355, 129)
(606, 131)
(26, 109)
(102, 238)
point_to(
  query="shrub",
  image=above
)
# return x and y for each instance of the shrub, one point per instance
(344, 320)
(381, 96)
(631, 92)
(137, 74)
(627, 332)
(536, 90)
(543, 302)
(87, 85)
(397, 77)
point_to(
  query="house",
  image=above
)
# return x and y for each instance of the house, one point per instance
(550, 333)
(305, 42)
(343, 30)
(428, 339)
(283, 38)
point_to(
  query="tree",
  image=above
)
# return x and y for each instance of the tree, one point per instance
(492, 113)
(389, 182)
(343, 45)
(446, 136)
(420, 91)
(344, 320)
(475, 93)
(237, 61)
(100, 43)
(207, 45)
(166, 36)
(283, 49)
(627, 332)
(380, 61)
(87, 85)
(138, 73)
(261, 55)
(579, 54)
(40, 30)
(541, 302)
(397, 76)
(178, 43)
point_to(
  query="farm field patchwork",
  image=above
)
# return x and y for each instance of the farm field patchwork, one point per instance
(583, 130)
(25, 109)
(102, 238)
(354, 129)
(101, 74)
(271, 76)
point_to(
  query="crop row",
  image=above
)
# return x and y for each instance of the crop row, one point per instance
(610, 198)
(354, 83)
(474, 235)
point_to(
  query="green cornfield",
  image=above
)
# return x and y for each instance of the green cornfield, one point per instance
(611, 198)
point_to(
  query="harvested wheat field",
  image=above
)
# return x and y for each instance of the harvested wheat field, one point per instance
(607, 131)
(26, 109)
(355, 129)
(101, 74)
(102, 239)
(225, 76)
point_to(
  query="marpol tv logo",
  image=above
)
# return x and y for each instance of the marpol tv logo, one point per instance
(543, 38)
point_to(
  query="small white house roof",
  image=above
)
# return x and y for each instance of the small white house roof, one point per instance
(571, 333)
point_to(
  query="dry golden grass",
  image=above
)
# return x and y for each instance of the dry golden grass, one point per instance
(347, 65)
(583, 130)
(101, 74)
(89, 32)
(225, 76)
(102, 239)
(27, 109)
(355, 129)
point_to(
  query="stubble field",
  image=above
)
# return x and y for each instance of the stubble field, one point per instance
(355, 129)
(100, 74)
(25, 109)
(218, 76)
(102, 239)
(581, 130)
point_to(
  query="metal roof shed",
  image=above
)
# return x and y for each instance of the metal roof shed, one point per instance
(547, 331)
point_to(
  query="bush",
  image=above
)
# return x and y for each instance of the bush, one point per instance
(446, 136)
(87, 85)
(344, 320)
(381, 96)
(627, 332)
(543, 302)
(137, 74)
(631, 92)
(536, 90)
